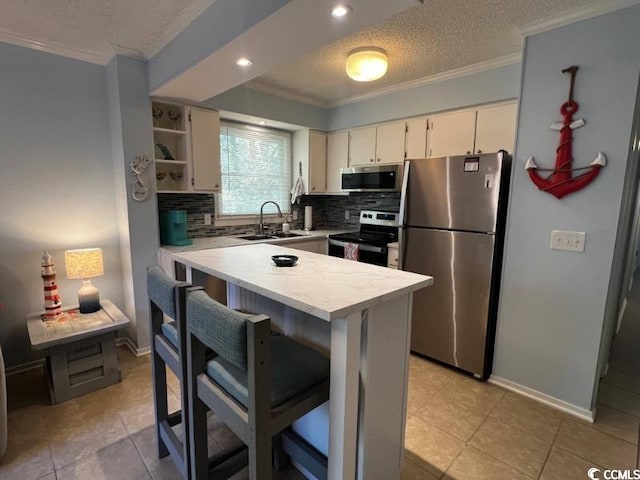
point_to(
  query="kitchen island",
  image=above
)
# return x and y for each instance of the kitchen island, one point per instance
(361, 315)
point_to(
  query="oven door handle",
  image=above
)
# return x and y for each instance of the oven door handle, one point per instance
(361, 246)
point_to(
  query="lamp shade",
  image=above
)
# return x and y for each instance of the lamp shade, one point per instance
(84, 263)
(366, 64)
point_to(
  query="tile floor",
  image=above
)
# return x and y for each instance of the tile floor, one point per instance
(457, 428)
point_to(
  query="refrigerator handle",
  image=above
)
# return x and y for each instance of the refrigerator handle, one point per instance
(403, 194)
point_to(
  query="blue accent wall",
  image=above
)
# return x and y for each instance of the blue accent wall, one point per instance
(56, 185)
(552, 307)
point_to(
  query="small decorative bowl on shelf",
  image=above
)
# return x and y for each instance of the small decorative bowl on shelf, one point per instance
(284, 260)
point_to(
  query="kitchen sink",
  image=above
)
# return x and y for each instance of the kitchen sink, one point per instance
(286, 235)
(271, 236)
(257, 237)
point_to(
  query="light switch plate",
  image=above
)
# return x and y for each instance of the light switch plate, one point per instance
(346, 214)
(568, 241)
(207, 219)
(294, 215)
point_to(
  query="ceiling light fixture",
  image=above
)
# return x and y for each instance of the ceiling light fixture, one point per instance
(244, 62)
(341, 10)
(366, 64)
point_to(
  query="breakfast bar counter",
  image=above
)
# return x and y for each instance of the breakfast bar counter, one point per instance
(357, 312)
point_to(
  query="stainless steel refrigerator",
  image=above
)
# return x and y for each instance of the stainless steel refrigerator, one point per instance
(453, 212)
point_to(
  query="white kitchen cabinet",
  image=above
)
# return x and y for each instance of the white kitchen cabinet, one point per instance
(452, 133)
(377, 145)
(390, 143)
(316, 245)
(337, 158)
(186, 148)
(310, 154)
(495, 128)
(416, 138)
(205, 150)
(362, 146)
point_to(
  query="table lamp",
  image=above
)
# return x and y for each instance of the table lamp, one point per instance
(85, 263)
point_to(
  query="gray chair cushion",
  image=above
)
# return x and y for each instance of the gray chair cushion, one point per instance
(295, 367)
(170, 331)
(160, 289)
(220, 328)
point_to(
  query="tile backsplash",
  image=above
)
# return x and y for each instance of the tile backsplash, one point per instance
(328, 211)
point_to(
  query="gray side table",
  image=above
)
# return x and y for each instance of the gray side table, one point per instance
(80, 349)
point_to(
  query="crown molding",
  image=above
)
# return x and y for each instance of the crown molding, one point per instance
(182, 20)
(439, 77)
(591, 11)
(55, 48)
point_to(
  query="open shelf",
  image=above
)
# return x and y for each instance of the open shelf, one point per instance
(169, 131)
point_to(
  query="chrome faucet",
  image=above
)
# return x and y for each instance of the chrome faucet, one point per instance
(261, 226)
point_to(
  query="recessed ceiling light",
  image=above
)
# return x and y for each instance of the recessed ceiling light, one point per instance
(244, 62)
(340, 11)
(262, 122)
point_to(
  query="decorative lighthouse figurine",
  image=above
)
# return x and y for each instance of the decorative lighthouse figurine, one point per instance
(52, 301)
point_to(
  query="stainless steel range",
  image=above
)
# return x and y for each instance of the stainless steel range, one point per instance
(377, 230)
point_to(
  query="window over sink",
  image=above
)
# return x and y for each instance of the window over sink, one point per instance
(256, 166)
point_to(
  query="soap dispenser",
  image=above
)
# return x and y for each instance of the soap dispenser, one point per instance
(285, 225)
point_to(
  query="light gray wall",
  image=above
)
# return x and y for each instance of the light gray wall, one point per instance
(137, 222)
(264, 105)
(500, 83)
(56, 183)
(223, 21)
(552, 305)
(489, 86)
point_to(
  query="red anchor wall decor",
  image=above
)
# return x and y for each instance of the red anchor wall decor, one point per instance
(561, 182)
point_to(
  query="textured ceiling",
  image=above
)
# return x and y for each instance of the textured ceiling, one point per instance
(98, 28)
(423, 41)
(426, 40)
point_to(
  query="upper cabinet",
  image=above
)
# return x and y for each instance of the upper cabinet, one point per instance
(451, 133)
(310, 155)
(377, 145)
(187, 148)
(390, 143)
(170, 147)
(362, 146)
(496, 128)
(487, 129)
(205, 150)
(416, 138)
(337, 158)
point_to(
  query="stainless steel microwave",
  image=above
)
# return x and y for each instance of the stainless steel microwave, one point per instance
(375, 178)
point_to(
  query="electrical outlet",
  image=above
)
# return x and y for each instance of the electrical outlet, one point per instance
(346, 214)
(207, 219)
(569, 241)
(294, 215)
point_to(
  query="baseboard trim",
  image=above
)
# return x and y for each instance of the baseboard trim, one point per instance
(566, 407)
(138, 352)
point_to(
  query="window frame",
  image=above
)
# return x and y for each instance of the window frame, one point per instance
(221, 219)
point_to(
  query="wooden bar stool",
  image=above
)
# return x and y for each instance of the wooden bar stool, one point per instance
(168, 347)
(258, 383)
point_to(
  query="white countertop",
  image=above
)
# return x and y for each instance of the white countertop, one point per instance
(205, 243)
(323, 286)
